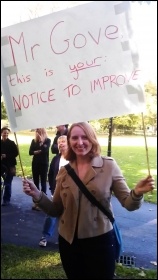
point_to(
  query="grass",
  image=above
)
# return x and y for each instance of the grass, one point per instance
(27, 263)
(19, 262)
(132, 161)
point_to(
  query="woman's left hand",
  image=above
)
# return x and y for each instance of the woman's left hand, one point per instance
(144, 185)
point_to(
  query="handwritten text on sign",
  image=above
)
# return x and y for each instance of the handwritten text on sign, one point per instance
(74, 65)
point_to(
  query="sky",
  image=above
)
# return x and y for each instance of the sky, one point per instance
(144, 25)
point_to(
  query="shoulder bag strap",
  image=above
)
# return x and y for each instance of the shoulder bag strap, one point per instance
(82, 187)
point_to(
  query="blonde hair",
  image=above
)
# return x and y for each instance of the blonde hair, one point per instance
(92, 137)
(43, 133)
(62, 137)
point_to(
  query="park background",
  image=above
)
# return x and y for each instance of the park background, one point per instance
(127, 143)
(128, 150)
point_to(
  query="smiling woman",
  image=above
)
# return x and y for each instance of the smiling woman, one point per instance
(88, 241)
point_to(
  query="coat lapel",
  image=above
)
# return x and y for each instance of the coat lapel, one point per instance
(96, 162)
(95, 169)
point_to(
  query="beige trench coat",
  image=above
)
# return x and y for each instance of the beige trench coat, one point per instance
(103, 178)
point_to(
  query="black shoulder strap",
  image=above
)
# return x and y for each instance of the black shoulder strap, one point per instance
(82, 187)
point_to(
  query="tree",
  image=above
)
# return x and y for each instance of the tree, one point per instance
(127, 122)
(150, 116)
(3, 110)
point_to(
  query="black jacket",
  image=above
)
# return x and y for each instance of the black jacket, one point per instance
(43, 157)
(54, 147)
(53, 171)
(9, 148)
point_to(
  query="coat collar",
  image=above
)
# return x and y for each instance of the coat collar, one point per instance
(96, 162)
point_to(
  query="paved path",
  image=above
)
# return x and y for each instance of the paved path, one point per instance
(22, 226)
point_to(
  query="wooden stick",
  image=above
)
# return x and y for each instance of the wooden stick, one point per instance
(146, 148)
(19, 155)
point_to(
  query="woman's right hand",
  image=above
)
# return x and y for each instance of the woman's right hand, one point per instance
(30, 189)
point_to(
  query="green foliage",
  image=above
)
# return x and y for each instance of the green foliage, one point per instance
(3, 111)
(150, 116)
(123, 272)
(126, 122)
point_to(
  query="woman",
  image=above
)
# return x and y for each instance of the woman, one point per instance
(50, 227)
(39, 149)
(86, 236)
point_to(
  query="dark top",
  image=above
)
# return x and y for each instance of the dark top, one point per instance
(53, 171)
(54, 147)
(43, 157)
(9, 148)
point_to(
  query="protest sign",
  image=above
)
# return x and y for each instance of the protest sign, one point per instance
(74, 65)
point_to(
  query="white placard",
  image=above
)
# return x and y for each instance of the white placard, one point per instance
(75, 65)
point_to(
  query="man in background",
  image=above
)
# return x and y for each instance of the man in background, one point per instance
(61, 130)
(9, 152)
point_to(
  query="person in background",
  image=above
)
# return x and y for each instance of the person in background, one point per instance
(39, 149)
(9, 152)
(87, 243)
(61, 130)
(50, 227)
